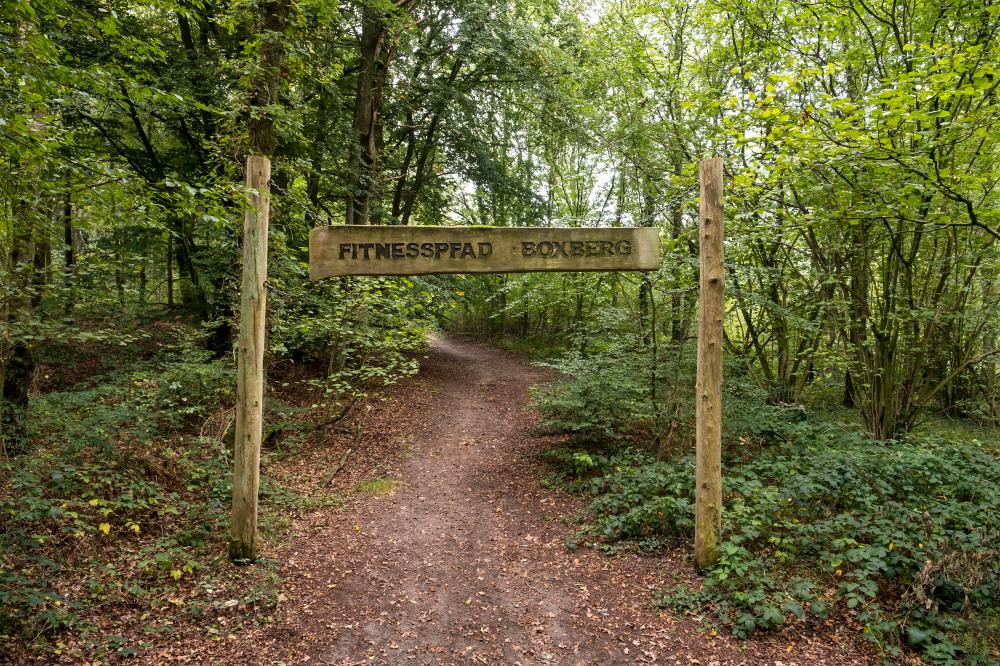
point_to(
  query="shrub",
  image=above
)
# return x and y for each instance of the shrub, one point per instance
(598, 389)
(611, 394)
(903, 533)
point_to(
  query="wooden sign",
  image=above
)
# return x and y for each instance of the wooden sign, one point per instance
(400, 250)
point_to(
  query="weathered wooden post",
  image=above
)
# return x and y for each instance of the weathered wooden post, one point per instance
(708, 477)
(250, 364)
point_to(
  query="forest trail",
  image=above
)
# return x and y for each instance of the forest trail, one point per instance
(466, 561)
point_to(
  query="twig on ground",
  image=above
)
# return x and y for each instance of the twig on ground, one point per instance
(343, 459)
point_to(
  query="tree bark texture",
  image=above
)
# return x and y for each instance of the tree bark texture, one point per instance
(267, 86)
(375, 52)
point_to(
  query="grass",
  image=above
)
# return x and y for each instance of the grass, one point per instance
(980, 634)
(381, 486)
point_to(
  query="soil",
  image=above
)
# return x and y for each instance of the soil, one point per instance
(461, 558)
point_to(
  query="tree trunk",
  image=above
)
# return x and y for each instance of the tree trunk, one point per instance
(17, 362)
(858, 313)
(42, 274)
(266, 87)
(69, 251)
(410, 192)
(170, 270)
(119, 278)
(678, 309)
(193, 294)
(143, 281)
(373, 65)
(645, 292)
(366, 109)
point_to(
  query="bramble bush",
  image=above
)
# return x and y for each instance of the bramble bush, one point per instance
(903, 534)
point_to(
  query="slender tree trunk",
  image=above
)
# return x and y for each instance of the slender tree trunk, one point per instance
(849, 390)
(143, 281)
(69, 252)
(645, 293)
(42, 259)
(193, 294)
(780, 390)
(119, 278)
(858, 314)
(404, 169)
(422, 167)
(170, 270)
(678, 311)
(422, 56)
(367, 104)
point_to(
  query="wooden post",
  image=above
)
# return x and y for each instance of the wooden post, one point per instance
(708, 477)
(250, 365)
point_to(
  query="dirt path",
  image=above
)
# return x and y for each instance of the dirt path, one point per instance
(465, 562)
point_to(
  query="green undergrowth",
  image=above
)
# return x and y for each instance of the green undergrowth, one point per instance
(113, 525)
(903, 536)
(534, 349)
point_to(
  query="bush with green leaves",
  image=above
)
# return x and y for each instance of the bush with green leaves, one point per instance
(363, 330)
(598, 389)
(349, 321)
(614, 391)
(902, 533)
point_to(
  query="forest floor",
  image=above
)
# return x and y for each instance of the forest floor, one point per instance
(456, 552)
